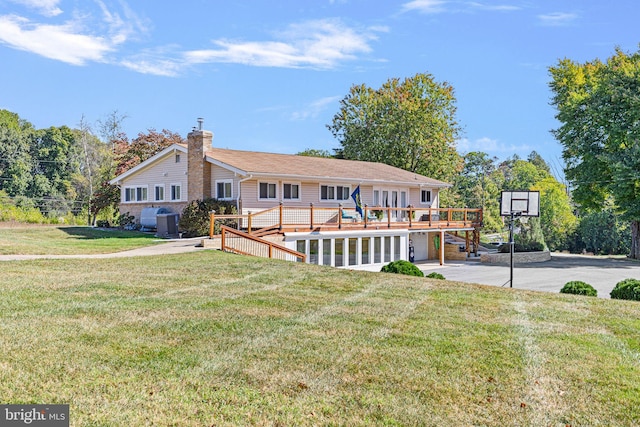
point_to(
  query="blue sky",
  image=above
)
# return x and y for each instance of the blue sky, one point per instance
(269, 75)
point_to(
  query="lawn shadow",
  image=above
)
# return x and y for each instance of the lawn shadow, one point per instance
(89, 233)
(570, 261)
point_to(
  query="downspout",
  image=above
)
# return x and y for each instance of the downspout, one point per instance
(239, 194)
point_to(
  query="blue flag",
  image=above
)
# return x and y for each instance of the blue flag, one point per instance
(356, 199)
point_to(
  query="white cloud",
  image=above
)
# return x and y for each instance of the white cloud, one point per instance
(121, 28)
(314, 109)
(425, 6)
(45, 7)
(491, 146)
(438, 6)
(494, 7)
(162, 67)
(83, 39)
(557, 19)
(60, 42)
(319, 44)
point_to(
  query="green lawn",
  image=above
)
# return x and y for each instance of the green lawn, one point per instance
(211, 338)
(56, 240)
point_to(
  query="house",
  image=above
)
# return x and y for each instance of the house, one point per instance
(403, 219)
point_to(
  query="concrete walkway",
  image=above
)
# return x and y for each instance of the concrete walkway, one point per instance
(600, 272)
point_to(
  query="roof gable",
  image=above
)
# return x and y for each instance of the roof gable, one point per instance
(149, 162)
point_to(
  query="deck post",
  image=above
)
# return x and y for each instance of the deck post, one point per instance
(410, 215)
(222, 241)
(311, 216)
(281, 215)
(441, 247)
(366, 215)
(249, 221)
(466, 240)
(388, 217)
(340, 216)
(212, 218)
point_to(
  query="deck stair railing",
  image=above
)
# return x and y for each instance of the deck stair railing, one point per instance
(239, 242)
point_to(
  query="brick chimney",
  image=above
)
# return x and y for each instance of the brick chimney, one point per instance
(199, 173)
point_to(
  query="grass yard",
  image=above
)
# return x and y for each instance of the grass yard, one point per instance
(56, 240)
(217, 339)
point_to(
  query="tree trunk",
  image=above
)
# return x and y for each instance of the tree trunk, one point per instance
(635, 240)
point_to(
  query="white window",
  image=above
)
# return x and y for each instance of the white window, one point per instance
(425, 197)
(267, 190)
(291, 191)
(135, 194)
(224, 190)
(159, 193)
(176, 191)
(376, 197)
(334, 192)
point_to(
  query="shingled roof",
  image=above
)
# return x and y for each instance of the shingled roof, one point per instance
(294, 166)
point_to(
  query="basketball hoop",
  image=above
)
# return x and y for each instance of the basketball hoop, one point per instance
(521, 205)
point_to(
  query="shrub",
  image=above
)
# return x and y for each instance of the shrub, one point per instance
(194, 221)
(577, 287)
(126, 221)
(522, 247)
(627, 289)
(402, 267)
(434, 275)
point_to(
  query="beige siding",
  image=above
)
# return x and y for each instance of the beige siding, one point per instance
(165, 172)
(221, 174)
(309, 193)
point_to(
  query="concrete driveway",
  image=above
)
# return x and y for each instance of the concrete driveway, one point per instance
(600, 272)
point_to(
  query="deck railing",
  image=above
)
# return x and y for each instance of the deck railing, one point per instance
(287, 218)
(235, 241)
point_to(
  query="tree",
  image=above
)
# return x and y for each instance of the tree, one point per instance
(599, 110)
(313, 152)
(409, 124)
(602, 232)
(16, 162)
(556, 216)
(95, 164)
(478, 185)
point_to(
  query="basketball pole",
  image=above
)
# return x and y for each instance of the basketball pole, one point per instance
(511, 250)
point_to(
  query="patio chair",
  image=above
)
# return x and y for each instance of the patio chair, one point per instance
(345, 215)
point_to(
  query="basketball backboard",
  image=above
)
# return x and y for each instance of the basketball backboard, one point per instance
(520, 203)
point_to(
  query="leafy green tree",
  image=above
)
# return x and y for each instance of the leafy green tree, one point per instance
(536, 159)
(409, 124)
(521, 175)
(478, 185)
(602, 232)
(16, 162)
(599, 110)
(95, 158)
(313, 152)
(57, 160)
(556, 215)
